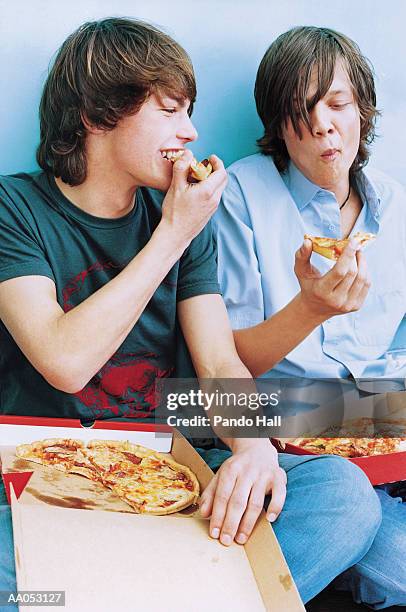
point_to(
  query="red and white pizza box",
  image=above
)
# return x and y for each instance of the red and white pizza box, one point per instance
(380, 469)
(107, 560)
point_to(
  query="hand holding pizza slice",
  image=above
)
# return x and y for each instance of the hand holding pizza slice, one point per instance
(198, 171)
(341, 290)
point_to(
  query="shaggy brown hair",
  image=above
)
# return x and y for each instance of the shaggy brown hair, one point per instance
(103, 72)
(283, 80)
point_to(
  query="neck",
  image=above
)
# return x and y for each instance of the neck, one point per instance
(104, 193)
(340, 189)
(99, 198)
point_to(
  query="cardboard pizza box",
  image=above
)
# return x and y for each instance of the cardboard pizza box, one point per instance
(69, 536)
(380, 469)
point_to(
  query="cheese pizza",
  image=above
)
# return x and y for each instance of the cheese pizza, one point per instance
(148, 481)
(351, 447)
(332, 248)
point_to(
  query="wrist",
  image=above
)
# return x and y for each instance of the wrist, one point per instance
(171, 241)
(309, 311)
(238, 445)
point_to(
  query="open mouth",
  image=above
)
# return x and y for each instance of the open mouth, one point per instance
(172, 155)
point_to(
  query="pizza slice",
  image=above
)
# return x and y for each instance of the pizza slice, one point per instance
(332, 248)
(199, 171)
(147, 480)
(56, 452)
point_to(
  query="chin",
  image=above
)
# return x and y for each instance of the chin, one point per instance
(331, 174)
(161, 184)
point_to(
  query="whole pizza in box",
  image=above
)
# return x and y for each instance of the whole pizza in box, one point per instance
(148, 481)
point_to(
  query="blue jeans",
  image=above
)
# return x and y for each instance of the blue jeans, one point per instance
(333, 524)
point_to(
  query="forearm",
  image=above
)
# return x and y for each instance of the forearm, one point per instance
(264, 345)
(91, 332)
(227, 372)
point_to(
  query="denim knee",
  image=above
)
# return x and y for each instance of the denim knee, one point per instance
(329, 521)
(359, 504)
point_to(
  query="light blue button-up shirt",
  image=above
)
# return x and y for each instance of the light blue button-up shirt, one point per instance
(260, 224)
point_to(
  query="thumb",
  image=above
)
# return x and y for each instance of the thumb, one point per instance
(303, 267)
(181, 168)
(302, 256)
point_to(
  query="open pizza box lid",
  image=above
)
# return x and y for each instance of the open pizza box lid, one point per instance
(107, 560)
(390, 407)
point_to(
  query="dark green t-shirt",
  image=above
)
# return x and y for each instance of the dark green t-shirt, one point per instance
(43, 233)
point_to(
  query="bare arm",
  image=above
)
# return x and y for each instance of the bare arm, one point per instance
(343, 289)
(69, 348)
(235, 496)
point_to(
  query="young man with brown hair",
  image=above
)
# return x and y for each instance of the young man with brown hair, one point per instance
(315, 95)
(97, 265)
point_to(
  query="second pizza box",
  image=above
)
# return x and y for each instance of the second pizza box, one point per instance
(380, 469)
(70, 536)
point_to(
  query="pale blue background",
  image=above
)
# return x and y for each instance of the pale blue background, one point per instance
(226, 40)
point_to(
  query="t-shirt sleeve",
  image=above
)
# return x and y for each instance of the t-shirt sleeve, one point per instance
(21, 251)
(198, 267)
(238, 268)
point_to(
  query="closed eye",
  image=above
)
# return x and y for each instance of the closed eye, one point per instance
(340, 106)
(170, 111)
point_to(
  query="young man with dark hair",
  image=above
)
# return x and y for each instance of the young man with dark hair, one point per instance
(97, 265)
(315, 96)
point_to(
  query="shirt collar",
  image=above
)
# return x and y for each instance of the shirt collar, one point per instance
(369, 194)
(301, 189)
(304, 191)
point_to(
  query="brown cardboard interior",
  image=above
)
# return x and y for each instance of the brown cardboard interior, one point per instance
(134, 562)
(187, 563)
(268, 564)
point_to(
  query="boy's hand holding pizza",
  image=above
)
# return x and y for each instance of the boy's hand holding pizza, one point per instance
(341, 290)
(188, 207)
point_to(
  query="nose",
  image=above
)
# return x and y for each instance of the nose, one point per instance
(321, 120)
(186, 129)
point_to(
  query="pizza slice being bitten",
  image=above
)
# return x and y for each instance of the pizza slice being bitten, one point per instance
(199, 170)
(333, 248)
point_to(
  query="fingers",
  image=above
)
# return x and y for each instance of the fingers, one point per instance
(181, 168)
(345, 269)
(218, 178)
(360, 287)
(227, 516)
(216, 163)
(212, 187)
(278, 496)
(251, 514)
(226, 480)
(207, 498)
(303, 267)
(353, 284)
(235, 505)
